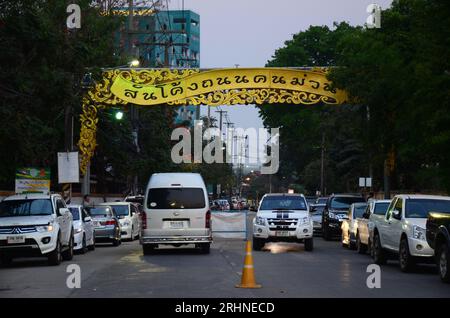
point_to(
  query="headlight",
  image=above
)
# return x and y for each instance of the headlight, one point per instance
(304, 220)
(45, 228)
(419, 233)
(260, 221)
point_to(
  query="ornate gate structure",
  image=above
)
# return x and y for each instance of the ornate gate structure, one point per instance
(213, 87)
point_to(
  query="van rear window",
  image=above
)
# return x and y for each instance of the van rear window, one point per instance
(176, 198)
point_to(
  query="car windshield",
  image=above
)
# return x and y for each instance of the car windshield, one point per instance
(343, 203)
(27, 207)
(283, 203)
(99, 211)
(359, 210)
(121, 210)
(381, 208)
(419, 208)
(176, 198)
(75, 213)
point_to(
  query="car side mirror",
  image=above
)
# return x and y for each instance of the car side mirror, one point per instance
(396, 214)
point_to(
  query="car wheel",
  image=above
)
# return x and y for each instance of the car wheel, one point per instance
(360, 247)
(148, 249)
(309, 245)
(258, 243)
(54, 257)
(379, 255)
(92, 247)
(444, 263)
(67, 255)
(405, 258)
(205, 248)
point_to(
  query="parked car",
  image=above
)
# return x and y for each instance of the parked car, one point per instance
(402, 233)
(375, 209)
(316, 211)
(128, 215)
(335, 212)
(135, 198)
(283, 217)
(310, 200)
(349, 226)
(438, 237)
(35, 225)
(83, 229)
(106, 224)
(176, 212)
(214, 205)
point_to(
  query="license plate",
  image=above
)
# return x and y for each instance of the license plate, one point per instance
(16, 239)
(176, 224)
(282, 233)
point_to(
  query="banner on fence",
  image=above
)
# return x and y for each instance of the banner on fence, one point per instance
(229, 224)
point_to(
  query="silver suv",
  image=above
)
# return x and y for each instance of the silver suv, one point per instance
(35, 225)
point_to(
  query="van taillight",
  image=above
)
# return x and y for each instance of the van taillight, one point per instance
(208, 220)
(144, 220)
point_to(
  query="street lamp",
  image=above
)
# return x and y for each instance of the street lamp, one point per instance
(134, 63)
(119, 115)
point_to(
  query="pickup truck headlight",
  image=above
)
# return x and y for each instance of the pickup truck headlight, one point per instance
(304, 220)
(260, 221)
(419, 233)
(45, 228)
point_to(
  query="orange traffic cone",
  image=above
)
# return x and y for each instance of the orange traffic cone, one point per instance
(248, 274)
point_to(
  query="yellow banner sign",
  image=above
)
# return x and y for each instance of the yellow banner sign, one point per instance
(199, 84)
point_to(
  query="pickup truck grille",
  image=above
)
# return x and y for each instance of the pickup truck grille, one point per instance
(282, 224)
(17, 229)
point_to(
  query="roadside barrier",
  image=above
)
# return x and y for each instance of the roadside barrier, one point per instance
(248, 272)
(229, 224)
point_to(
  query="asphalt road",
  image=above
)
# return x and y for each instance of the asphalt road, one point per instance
(283, 270)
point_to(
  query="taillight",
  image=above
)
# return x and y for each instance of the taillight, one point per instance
(144, 220)
(208, 220)
(110, 222)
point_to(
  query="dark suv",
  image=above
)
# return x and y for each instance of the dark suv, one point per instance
(438, 237)
(335, 212)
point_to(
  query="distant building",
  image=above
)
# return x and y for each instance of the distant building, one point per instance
(163, 39)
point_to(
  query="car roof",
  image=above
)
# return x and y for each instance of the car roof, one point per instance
(116, 203)
(346, 195)
(359, 203)
(423, 196)
(176, 179)
(26, 196)
(284, 194)
(381, 201)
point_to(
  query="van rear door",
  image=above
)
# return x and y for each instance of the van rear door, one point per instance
(176, 211)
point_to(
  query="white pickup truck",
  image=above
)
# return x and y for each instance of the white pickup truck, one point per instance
(402, 231)
(35, 225)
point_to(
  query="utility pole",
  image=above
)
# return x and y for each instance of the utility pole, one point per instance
(322, 168)
(221, 112)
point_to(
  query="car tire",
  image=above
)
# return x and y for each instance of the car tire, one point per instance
(360, 247)
(54, 257)
(92, 247)
(379, 255)
(309, 245)
(407, 262)
(67, 255)
(205, 248)
(83, 249)
(258, 243)
(148, 249)
(444, 263)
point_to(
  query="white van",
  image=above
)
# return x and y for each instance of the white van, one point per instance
(176, 212)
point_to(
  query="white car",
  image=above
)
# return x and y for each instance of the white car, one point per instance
(316, 211)
(283, 217)
(35, 225)
(375, 209)
(84, 238)
(176, 212)
(402, 231)
(128, 215)
(349, 227)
